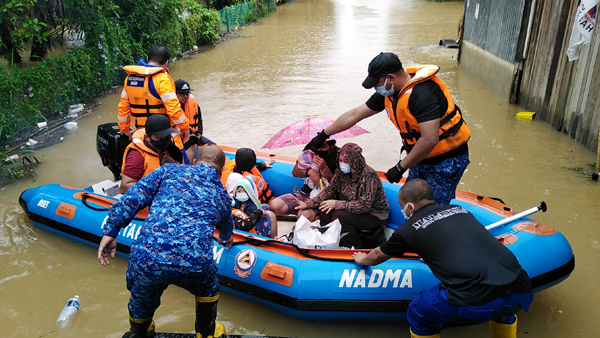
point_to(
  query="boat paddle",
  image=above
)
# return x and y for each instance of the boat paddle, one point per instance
(520, 215)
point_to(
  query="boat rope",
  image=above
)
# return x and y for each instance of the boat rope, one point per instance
(253, 241)
(303, 251)
(84, 198)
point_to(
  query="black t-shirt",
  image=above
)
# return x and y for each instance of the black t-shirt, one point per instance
(426, 102)
(470, 262)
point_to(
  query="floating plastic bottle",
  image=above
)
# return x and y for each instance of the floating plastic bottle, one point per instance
(71, 125)
(68, 313)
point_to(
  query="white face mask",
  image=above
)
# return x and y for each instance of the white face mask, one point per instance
(345, 168)
(384, 92)
(242, 197)
(406, 208)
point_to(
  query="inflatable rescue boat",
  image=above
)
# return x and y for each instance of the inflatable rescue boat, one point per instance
(310, 284)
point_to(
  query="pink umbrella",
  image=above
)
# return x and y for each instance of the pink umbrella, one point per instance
(304, 130)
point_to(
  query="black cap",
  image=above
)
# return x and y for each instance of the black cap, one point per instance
(382, 65)
(245, 159)
(159, 126)
(181, 86)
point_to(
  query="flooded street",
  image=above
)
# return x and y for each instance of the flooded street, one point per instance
(310, 57)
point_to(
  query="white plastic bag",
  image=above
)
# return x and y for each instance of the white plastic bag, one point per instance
(307, 234)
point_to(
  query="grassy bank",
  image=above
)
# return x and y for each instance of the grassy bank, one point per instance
(117, 33)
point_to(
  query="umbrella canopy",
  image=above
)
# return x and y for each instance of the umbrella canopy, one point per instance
(303, 131)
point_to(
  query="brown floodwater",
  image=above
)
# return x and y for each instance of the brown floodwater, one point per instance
(310, 57)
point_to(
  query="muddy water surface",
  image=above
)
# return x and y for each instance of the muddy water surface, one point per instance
(310, 57)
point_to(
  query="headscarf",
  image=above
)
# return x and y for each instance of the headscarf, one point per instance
(250, 187)
(353, 154)
(231, 181)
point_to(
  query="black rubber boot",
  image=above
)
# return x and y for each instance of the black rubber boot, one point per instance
(141, 328)
(206, 315)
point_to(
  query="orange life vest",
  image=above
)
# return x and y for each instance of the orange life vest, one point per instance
(265, 195)
(453, 131)
(151, 158)
(191, 112)
(140, 98)
(241, 214)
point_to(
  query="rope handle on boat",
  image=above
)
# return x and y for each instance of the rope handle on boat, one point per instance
(303, 251)
(84, 198)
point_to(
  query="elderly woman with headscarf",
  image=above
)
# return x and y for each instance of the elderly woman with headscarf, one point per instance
(355, 197)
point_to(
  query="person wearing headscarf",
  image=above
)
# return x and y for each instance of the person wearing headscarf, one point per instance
(355, 197)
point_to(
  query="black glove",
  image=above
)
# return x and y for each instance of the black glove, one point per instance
(394, 175)
(317, 141)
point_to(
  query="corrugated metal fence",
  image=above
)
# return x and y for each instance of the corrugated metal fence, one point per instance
(562, 93)
(494, 26)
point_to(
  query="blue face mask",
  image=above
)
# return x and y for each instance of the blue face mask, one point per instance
(384, 92)
(345, 168)
(406, 208)
(242, 197)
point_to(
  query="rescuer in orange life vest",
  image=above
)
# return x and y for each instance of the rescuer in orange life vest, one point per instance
(192, 111)
(148, 90)
(150, 148)
(421, 107)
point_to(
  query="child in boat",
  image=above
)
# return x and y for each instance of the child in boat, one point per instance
(249, 213)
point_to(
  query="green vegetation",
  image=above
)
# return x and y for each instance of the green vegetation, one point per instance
(117, 33)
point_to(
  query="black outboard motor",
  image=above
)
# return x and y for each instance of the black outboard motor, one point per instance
(110, 145)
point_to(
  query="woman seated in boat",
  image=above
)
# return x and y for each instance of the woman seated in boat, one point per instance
(355, 197)
(316, 167)
(248, 213)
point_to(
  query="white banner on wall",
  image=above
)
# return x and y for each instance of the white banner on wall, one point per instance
(583, 26)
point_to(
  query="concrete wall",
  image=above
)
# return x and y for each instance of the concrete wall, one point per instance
(492, 71)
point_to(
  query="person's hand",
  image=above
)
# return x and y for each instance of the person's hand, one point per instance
(193, 139)
(127, 133)
(394, 175)
(327, 206)
(107, 244)
(314, 177)
(167, 159)
(269, 162)
(359, 257)
(185, 134)
(320, 163)
(227, 242)
(301, 205)
(317, 141)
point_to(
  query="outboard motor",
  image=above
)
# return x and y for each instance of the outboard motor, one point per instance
(110, 145)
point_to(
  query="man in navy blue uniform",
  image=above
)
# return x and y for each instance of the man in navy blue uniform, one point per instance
(175, 245)
(481, 280)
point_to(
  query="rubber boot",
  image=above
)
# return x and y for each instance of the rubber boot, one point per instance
(206, 315)
(141, 328)
(503, 330)
(412, 335)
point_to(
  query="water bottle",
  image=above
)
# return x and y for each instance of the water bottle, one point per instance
(68, 313)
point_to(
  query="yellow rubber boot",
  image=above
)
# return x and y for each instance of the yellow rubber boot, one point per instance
(206, 315)
(412, 335)
(503, 330)
(219, 332)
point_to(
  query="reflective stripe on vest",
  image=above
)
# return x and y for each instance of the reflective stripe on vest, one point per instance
(453, 132)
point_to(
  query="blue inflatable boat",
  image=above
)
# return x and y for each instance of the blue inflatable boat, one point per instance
(311, 284)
